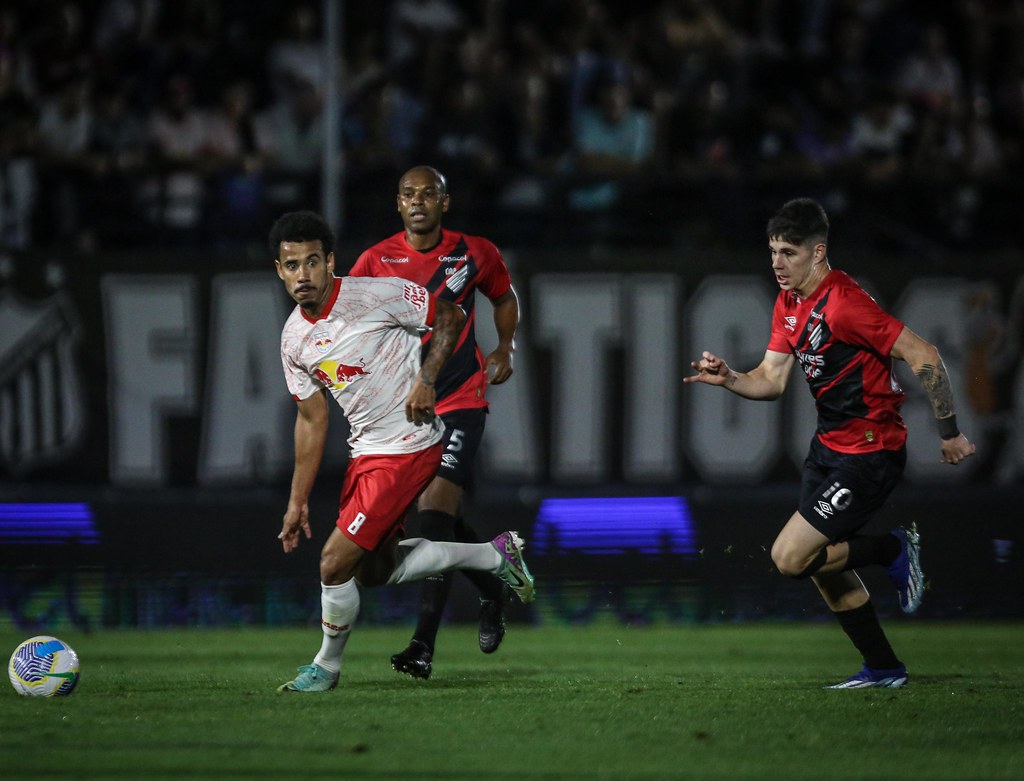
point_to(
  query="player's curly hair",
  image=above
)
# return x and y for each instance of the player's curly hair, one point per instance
(800, 221)
(301, 226)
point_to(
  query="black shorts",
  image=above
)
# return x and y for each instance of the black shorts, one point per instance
(839, 492)
(463, 430)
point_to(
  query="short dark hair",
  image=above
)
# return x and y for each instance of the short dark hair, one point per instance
(798, 221)
(301, 226)
(440, 178)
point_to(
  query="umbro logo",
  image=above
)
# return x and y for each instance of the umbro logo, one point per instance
(790, 323)
(824, 509)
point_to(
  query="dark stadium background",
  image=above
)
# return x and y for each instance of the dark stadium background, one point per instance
(134, 275)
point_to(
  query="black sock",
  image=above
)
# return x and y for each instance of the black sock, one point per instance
(862, 627)
(434, 591)
(872, 549)
(489, 586)
(433, 596)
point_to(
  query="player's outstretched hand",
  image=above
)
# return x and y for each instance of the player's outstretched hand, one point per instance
(957, 449)
(710, 369)
(295, 520)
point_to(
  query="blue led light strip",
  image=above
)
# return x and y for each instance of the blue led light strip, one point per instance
(651, 525)
(47, 524)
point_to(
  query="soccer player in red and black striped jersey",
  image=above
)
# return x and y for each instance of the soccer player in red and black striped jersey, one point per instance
(845, 345)
(452, 266)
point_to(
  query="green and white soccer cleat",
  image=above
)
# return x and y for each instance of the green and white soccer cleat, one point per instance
(513, 569)
(311, 678)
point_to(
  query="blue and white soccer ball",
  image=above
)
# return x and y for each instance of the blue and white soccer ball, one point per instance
(43, 666)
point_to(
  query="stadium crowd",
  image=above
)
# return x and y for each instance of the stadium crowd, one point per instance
(133, 122)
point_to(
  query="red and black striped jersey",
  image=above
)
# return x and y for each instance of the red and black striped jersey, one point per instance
(453, 270)
(842, 339)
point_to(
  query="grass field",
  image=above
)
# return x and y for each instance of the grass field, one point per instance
(599, 702)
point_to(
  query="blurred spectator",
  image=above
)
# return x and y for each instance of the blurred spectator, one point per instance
(126, 45)
(235, 163)
(777, 152)
(469, 131)
(613, 140)
(290, 137)
(387, 129)
(65, 132)
(940, 149)
(178, 132)
(931, 77)
(18, 171)
(122, 23)
(881, 132)
(983, 155)
(846, 75)
(297, 57)
(418, 27)
(707, 136)
(826, 144)
(119, 149)
(423, 35)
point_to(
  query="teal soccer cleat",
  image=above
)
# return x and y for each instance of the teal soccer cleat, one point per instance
(311, 678)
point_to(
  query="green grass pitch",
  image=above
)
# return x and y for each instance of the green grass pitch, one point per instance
(595, 702)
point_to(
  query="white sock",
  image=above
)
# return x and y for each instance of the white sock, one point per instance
(339, 607)
(421, 558)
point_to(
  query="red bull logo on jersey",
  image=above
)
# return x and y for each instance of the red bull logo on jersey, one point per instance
(322, 342)
(337, 375)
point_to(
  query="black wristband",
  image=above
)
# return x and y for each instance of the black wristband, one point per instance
(947, 427)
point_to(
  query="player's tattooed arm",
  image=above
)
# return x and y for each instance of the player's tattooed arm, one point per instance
(935, 381)
(448, 321)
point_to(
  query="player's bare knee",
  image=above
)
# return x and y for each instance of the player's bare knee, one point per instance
(783, 560)
(333, 570)
(798, 566)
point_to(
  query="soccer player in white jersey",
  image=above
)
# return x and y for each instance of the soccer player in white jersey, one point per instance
(358, 339)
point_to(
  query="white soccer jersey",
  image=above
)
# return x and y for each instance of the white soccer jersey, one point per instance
(365, 349)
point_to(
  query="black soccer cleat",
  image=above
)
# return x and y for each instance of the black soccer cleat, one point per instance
(492, 623)
(414, 660)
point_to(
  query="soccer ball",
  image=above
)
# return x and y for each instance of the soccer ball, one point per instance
(43, 666)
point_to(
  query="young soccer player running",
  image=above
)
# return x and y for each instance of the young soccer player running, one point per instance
(845, 344)
(358, 339)
(453, 266)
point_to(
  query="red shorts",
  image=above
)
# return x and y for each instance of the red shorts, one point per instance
(378, 490)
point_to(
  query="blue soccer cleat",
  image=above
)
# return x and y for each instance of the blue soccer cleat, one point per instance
(872, 678)
(311, 678)
(905, 571)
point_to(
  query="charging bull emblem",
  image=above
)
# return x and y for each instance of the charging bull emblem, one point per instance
(337, 375)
